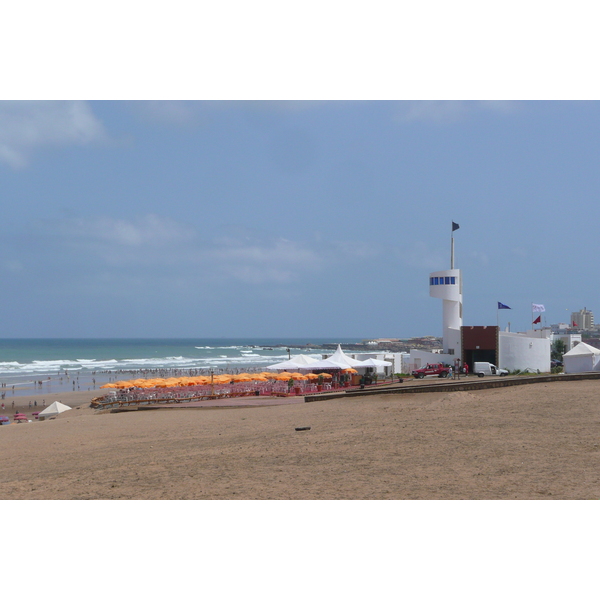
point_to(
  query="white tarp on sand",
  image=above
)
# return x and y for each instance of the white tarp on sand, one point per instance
(54, 409)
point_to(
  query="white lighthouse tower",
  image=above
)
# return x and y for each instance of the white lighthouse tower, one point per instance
(447, 285)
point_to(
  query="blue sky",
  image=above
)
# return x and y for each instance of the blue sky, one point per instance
(292, 218)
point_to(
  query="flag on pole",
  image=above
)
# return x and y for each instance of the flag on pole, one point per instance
(455, 226)
(537, 308)
(500, 305)
(538, 320)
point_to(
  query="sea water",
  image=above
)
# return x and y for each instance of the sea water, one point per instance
(38, 366)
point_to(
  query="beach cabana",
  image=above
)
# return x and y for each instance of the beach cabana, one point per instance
(53, 410)
(581, 359)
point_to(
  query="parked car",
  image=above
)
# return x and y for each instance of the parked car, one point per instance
(438, 369)
(486, 368)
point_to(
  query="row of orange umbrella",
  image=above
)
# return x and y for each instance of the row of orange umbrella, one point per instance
(216, 379)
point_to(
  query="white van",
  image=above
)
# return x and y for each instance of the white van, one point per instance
(485, 368)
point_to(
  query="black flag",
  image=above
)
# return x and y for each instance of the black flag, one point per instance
(455, 226)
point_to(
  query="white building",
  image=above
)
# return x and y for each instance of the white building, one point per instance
(583, 319)
(511, 351)
(570, 339)
(447, 285)
(525, 351)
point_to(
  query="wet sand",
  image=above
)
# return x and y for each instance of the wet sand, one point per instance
(527, 442)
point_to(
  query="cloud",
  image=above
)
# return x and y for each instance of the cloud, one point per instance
(449, 111)
(28, 126)
(169, 112)
(420, 256)
(155, 242)
(357, 249)
(480, 258)
(149, 230)
(156, 247)
(201, 112)
(279, 261)
(14, 266)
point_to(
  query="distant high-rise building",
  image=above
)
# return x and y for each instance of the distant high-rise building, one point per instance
(584, 319)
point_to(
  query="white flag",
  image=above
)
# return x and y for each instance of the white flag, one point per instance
(538, 308)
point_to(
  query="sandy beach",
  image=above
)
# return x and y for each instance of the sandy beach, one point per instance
(526, 442)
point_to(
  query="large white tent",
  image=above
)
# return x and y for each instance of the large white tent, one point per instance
(581, 358)
(298, 362)
(338, 360)
(375, 362)
(54, 409)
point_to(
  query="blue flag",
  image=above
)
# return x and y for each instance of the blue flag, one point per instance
(455, 226)
(500, 305)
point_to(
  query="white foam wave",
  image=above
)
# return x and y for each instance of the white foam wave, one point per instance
(234, 359)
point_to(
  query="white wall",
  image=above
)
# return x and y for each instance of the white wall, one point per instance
(521, 351)
(570, 339)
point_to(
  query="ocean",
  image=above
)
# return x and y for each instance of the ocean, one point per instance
(41, 366)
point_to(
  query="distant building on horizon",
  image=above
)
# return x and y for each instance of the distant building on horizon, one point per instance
(583, 319)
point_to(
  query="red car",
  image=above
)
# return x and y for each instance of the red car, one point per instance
(438, 369)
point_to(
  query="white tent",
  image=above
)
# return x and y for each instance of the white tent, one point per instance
(375, 362)
(338, 360)
(581, 358)
(298, 362)
(54, 409)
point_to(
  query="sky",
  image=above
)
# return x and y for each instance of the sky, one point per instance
(251, 172)
(292, 218)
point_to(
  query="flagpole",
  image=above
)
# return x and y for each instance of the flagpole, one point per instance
(455, 226)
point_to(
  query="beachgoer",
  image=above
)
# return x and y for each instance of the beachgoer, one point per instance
(466, 368)
(3, 406)
(450, 372)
